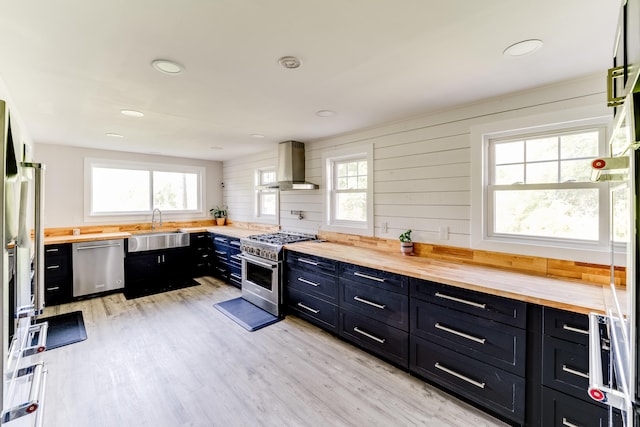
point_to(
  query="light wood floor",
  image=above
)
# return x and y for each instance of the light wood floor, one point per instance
(174, 360)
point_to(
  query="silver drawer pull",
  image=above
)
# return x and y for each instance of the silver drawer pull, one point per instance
(308, 282)
(52, 250)
(460, 334)
(575, 372)
(457, 375)
(220, 239)
(576, 330)
(368, 335)
(366, 276)
(54, 288)
(372, 304)
(220, 252)
(308, 261)
(460, 300)
(314, 311)
(234, 243)
(567, 423)
(52, 267)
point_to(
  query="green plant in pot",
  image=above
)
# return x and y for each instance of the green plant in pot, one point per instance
(220, 214)
(406, 245)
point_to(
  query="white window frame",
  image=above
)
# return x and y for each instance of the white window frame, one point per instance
(362, 152)
(271, 219)
(481, 237)
(91, 216)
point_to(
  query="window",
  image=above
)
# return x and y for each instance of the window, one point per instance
(127, 188)
(350, 193)
(266, 199)
(539, 188)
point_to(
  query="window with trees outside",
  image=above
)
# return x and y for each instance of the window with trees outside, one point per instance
(539, 188)
(123, 188)
(266, 199)
(349, 193)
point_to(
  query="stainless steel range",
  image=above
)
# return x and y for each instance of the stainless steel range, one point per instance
(262, 268)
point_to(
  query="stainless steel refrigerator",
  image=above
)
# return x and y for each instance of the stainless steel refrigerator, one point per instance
(618, 329)
(21, 264)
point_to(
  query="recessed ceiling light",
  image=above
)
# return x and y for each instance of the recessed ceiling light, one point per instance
(132, 113)
(325, 113)
(114, 135)
(257, 135)
(216, 148)
(289, 62)
(522, 48)
(167, 66)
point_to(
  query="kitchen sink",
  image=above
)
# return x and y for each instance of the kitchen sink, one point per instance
(158, 240)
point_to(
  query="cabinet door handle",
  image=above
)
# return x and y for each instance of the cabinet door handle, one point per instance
(54, 288)
(576, 330)
(314, 311)
(220, 252)
(368, 335)
(567, 423)
(460, 334)
(52, 250)
(200, 236)
(614, 73)
(371, 303)
(308, 282)
(234, 243)
(458, 375)
(366, 276)
(220, 239)
(308, 261)
(460, 300)
(53, 267)
(575, 372)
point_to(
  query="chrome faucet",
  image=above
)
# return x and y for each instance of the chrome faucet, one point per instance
(153, 218)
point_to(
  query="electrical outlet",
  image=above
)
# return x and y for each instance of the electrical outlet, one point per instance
(444, 233)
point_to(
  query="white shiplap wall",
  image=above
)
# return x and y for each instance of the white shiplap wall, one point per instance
(422, 165)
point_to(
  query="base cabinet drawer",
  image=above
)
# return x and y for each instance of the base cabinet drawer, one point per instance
(388, 307)
(495, 343)
(320, 285)
(314, 310)
(492, 388)
(384, 340)
(561, 410)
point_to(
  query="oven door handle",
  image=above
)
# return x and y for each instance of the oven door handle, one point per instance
(255, 261)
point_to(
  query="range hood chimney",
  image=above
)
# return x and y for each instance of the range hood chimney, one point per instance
(290, 170)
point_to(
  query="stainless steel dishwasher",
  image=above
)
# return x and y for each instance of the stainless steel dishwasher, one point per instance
(98, 266)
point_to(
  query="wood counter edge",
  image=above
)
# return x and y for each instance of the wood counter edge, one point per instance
(419, 264)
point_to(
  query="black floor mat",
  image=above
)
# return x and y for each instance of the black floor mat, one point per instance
(64, 329)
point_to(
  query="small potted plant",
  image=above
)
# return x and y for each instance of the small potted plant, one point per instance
(406, 245)
(220, 214)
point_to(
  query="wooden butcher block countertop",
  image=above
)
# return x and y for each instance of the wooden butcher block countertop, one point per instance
(54, 240)
(562, 294)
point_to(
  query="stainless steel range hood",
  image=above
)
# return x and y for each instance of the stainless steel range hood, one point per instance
(290, 170)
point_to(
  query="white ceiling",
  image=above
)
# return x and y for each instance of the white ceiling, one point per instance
(70, 66)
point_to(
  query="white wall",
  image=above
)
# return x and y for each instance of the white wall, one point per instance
(64, 183)
(423, 165)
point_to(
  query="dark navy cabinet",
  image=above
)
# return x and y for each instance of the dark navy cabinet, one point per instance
(58, 276)
(201, 247)
(227, 264)
(471, 343)
(312, 289)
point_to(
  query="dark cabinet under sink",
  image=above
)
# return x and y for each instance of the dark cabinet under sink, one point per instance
(151, 272)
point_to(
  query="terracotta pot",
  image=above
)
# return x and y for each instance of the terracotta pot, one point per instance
(220, 221)
(406, 248)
